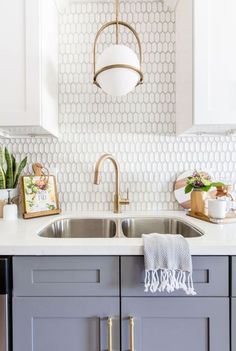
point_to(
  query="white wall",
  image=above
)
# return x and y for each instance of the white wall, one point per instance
(138, 129)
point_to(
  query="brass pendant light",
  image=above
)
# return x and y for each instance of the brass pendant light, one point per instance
(117, 70)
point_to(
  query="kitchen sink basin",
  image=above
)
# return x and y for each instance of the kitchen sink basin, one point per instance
(135, 227)
(80, 228)
(106, 228)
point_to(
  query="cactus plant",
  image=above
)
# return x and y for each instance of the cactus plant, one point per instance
(10, 170)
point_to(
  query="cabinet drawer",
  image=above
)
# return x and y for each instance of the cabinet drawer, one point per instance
(210, 276)
(66, 276)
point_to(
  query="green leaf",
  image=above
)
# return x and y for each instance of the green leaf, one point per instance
(206, 182)
(14, 166)
(190, 180)
(205, 188)
(18, 171)
(9, 171)
(15, 174)
(188, 188)
(2, 179)
(215, 184)
(2, 157)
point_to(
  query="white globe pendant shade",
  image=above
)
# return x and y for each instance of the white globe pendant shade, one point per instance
(118, 81)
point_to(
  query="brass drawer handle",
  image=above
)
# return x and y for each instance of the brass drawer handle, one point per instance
(131, 333)
(109, 329)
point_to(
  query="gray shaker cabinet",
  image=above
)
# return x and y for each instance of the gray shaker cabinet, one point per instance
(64, 323)
(178, 323)
(171, 322)
(64, 303)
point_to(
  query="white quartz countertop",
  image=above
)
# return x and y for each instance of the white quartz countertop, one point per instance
(21, 237)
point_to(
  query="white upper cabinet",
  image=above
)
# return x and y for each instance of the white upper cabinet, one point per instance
(28, 67)
(205, 66)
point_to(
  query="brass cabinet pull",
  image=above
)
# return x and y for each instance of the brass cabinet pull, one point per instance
(131, 333)
(109, 329)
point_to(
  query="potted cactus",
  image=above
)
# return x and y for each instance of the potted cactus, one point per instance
(10, 172)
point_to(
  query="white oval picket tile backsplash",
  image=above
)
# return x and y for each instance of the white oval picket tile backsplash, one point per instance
(139, 129)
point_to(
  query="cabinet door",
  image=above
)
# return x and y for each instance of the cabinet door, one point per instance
(214, 61)
(180, 324)
(19, 58)
(65, 324)
(29, 67)
(205, 66)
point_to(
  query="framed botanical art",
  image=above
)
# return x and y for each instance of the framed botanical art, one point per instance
(40, 197)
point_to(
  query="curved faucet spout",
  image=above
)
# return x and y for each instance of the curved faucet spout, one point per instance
(117, 199)
(98, 166)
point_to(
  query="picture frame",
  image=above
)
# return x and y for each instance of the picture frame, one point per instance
(39, 196)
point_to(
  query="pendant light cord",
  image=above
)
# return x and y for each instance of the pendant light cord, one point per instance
(117, 21)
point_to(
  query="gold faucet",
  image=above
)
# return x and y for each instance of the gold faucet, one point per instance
(118, 201)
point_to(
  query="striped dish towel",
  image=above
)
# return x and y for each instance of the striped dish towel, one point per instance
(168, 263)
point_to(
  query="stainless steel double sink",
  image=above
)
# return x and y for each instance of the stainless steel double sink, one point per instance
(122, 227)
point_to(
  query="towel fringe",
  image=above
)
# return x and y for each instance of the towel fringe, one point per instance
(168, 280)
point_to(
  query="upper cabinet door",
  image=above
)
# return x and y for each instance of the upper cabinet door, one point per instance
(19, 52)
(215, 57)
(28, 74)
(205, 66)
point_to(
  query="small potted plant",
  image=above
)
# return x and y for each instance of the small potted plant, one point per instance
(10, 172)
(199, 184)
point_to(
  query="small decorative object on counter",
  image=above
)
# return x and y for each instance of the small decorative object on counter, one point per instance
(198, 199)
(217, 208)
(10, 172)
(10, 210)
(199, 184)
(224, 191)
(40, 197)
(184, 199)
(220, 207)
(229, 218)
